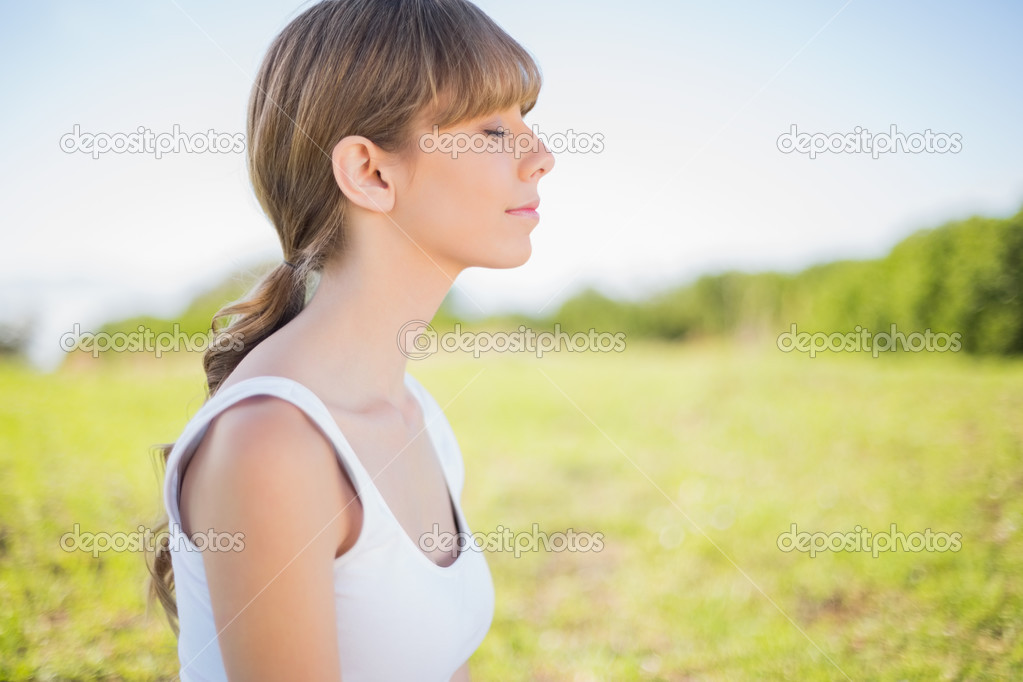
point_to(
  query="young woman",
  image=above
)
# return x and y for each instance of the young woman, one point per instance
(317, 460)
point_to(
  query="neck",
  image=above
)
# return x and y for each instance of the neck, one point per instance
(350, 329)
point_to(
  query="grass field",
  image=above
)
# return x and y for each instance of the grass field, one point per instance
(690, 460)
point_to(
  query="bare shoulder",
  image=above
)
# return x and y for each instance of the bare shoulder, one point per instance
(259, 436)
(268, 476)
(266, 449)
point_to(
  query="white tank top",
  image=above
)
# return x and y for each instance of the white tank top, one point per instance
(400, 616)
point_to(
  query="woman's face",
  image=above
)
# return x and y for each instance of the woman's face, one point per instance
(464, 181)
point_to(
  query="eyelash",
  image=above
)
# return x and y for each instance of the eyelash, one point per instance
(499, 133)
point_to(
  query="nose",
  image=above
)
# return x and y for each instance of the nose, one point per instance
(539, 161)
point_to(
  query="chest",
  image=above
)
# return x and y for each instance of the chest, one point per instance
(406, 471)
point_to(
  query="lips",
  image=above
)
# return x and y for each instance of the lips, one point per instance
(531, 206)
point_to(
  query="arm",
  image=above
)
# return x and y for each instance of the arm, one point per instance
(266, 471)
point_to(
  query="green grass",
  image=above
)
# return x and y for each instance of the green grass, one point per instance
(690, 460)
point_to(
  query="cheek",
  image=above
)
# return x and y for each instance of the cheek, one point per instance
(457, 205)
(468, 189)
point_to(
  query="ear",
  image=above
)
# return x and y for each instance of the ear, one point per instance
(359, 170)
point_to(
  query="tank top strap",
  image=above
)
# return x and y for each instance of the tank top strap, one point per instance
(444, 437)
(281, 387)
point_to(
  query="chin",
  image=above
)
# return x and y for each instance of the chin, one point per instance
(513, 256)
(510, 253)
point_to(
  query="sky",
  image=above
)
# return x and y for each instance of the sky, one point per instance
(690, 101)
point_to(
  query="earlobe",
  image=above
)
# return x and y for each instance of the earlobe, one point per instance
(355, 162)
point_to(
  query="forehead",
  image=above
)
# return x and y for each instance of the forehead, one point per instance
(444, 106)
(426, 120)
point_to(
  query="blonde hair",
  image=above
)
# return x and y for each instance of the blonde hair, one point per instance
(346, 67)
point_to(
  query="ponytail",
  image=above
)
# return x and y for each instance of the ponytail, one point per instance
(276, 300)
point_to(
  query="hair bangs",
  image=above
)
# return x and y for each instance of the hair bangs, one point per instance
(473, 67)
